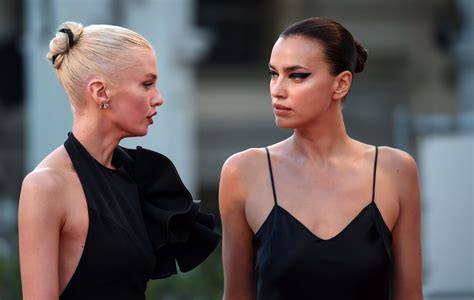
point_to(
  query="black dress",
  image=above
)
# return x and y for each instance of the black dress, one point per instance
(142, 221)
(293, 263)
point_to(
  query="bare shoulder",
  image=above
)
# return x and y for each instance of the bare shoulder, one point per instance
(47, 183)
(51, 173)
(397, 162)
(401, 169)
(244, 162)
(238, 172)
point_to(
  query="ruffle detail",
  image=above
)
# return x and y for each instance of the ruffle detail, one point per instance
(180, 234)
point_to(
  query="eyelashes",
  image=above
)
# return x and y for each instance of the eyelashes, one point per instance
(148, 84)
(302, 75)
(299, 75)
(272, 74)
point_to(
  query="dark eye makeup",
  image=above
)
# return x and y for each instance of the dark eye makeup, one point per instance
(272, 74)
(299, 75)
(302, 75)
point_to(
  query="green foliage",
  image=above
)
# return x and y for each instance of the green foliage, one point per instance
(205, 282)
(10, 287)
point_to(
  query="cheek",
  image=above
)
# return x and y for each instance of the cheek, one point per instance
(137, 113)
(315, 93)
(133, 107)
(306, 96)
(311, 99)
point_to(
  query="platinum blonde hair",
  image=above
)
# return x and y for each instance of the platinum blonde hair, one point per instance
(96, 50)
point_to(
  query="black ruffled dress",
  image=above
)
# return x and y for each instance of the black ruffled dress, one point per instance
(142, 223)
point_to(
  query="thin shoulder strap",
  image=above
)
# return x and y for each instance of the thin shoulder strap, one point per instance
(375, 172)
(271, 175)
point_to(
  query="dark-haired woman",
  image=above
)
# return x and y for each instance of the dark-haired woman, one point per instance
(319, 215)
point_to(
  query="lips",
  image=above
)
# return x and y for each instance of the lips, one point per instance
(280, 107)
(150, 117)
(281, 110)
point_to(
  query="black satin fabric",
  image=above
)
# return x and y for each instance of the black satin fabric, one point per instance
(142, 222)
(294, 263)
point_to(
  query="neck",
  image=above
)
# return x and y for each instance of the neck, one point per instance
(324, 138)
(98, 140)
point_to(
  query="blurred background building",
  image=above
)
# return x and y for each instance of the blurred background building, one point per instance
(416, 93)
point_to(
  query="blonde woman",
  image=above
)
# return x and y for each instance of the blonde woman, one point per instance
(97, 221)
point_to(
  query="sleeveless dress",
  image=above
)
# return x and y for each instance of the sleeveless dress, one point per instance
(142, 222)
(294, 263)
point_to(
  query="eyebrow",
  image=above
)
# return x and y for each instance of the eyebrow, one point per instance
(153, 76)
(290, 68)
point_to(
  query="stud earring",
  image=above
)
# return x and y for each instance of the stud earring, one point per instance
(104, 105)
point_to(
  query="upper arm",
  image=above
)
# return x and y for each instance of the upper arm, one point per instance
(39, 225)
(237, 248)
(406, 244)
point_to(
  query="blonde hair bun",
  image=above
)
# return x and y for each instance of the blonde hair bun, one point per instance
(106, 51)
(62, 43)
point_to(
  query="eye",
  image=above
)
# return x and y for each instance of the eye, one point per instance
(299, 75)
(272, 74)
(148, 84)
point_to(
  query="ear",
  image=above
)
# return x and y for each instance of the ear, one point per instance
(342, 84)
(97, 91)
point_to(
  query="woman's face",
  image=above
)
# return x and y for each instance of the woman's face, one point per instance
(301, 85)
(136, 96)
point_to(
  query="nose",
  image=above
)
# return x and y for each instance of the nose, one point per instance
(278, 89)
(157, 100)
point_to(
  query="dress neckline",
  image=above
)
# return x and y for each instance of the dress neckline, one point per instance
(306, 228)
(118, 165)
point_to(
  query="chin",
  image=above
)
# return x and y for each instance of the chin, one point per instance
(138, 132)
(285, 124)
(143, 133)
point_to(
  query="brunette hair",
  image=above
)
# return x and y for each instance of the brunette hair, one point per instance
(341, 50)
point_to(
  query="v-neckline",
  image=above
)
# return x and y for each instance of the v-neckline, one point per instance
(314, 235)
(317, 236)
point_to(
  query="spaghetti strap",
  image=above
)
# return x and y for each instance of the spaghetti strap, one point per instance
(375, 173)
(271, 175)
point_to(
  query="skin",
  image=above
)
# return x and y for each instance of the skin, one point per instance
(53, 218)
(322, 176)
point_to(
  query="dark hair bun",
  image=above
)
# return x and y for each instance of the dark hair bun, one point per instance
(361, 57)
